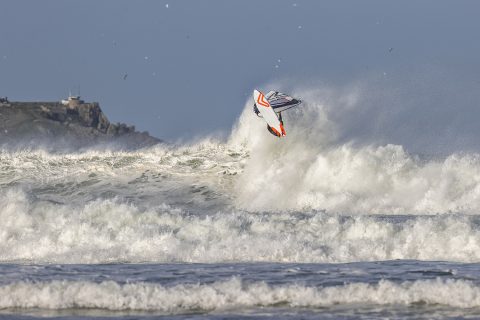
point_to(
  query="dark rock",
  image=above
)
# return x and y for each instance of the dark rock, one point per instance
(103, 122)
(81, 124)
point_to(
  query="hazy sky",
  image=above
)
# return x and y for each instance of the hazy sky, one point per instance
(182, 68)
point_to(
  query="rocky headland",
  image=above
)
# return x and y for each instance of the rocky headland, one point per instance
(72, 123)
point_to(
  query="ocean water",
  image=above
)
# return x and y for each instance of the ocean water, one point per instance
(250, 227)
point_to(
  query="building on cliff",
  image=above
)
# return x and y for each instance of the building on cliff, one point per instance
(73, 118)
(73, 101)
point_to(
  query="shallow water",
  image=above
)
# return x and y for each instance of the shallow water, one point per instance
(397, 289)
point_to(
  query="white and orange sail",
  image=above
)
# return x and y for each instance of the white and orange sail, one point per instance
(270, 106)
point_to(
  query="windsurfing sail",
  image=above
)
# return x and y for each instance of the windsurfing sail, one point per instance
(279, 102)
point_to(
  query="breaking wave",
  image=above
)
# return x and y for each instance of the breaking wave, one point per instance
(113, 231)
(313, 196)
(231, 294)
(314, 168)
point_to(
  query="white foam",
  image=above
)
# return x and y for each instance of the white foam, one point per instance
(317, 192)
(307, 170)
(115, 231)
(311, 169)
(158, 172)
(231, 294)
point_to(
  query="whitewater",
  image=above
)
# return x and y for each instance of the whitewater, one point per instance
(314, 224)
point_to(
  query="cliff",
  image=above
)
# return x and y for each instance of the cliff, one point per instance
(73, 124)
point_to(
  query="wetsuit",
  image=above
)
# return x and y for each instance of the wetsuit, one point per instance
(255, 109)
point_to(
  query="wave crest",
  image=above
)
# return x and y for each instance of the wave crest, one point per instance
(113, 231)
(231, 294)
